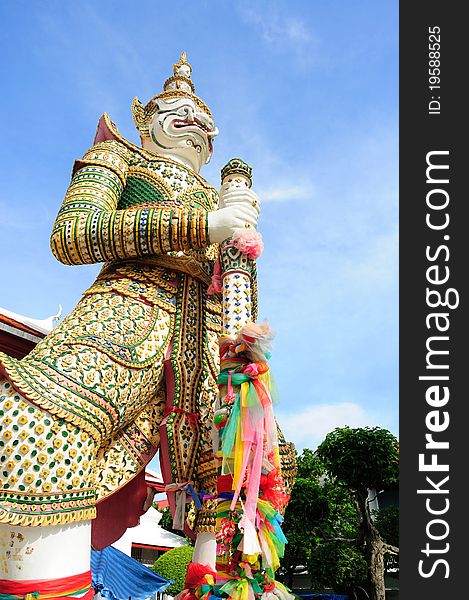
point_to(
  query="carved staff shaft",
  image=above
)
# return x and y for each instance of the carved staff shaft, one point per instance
(237, 268)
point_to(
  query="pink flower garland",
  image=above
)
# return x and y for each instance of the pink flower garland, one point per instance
(249, 242)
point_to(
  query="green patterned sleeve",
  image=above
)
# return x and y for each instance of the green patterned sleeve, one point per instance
(90, 229)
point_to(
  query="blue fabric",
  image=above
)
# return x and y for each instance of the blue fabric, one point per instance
(118, 577)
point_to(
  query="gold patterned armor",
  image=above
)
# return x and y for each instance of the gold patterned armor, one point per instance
(138, 351)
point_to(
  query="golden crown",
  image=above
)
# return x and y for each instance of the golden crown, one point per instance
(179, 85)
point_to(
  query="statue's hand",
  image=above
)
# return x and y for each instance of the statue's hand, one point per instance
(230, 195)
(223, 222)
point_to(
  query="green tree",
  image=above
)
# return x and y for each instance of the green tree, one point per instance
(338, 564)
(319, 513)
(307, 507)
(166, 521)
(387, 522)
(173, 565)
(358, 460)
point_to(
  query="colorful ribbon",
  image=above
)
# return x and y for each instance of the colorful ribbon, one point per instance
(51, 589)
(250, 541)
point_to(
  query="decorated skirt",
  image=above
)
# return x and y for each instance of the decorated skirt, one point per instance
(80, 416)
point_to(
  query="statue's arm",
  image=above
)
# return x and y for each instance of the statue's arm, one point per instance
(90, 229)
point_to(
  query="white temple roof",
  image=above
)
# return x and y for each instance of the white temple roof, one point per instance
(152, 476)
(149, 533)
(40, 325)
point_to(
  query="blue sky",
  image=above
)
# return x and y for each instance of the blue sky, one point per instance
(306, 92)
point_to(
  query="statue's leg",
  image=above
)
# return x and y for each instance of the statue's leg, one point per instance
(205, 550)
(46, 468)
(50, 552)
(48, 465)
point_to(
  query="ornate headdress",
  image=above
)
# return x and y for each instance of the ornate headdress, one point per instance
(178, 86)
(236, 166)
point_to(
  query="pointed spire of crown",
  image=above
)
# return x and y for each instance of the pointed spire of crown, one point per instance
(179, 85)
(181, 79)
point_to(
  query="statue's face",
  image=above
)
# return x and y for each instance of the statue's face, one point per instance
(182, 129)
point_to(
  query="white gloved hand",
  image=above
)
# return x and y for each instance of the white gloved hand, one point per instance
(232, 195)
(244, 211)
(223, 222)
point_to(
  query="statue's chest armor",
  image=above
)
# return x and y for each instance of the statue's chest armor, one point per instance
(166, 185)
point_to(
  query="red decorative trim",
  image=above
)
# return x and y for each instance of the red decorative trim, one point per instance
(149, 547)
(62, 586)
(170, 409)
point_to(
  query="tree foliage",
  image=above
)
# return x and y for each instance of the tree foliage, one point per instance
(306, 508)
(359, 460)
(362, 458)
(387, 522)
(338, 565)
(173, 565)
(318, 511)
(328, 522)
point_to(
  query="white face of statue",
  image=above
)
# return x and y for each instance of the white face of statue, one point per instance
(183, 131)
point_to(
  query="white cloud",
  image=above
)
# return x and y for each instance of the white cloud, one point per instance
(282, 30)
(308, 428)
(285, 193)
